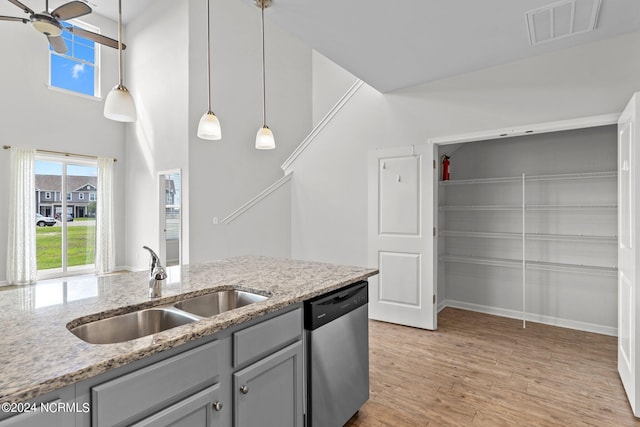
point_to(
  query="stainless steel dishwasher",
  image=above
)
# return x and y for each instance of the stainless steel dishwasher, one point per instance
(337, 355)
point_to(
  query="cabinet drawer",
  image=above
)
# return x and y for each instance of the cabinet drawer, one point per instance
(127, 398)
(259, 340)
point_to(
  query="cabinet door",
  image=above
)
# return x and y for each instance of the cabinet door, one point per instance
(200, 410)
(269, 392)
(56, 413)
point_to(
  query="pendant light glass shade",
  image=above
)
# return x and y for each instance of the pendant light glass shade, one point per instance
(119, 105)
(209, 127)
(264, 139)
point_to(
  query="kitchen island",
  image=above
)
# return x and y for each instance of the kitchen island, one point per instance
(40, 355)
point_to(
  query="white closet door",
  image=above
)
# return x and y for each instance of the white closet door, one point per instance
(401, 236)
(628, 220)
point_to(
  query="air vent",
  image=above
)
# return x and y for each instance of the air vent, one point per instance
(562, 19)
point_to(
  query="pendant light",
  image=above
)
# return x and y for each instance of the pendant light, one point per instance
(209, 126)
(119, 104)
(264, 137)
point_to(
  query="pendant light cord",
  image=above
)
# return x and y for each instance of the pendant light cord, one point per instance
(120, 70)
(264, 88)
(208, 58)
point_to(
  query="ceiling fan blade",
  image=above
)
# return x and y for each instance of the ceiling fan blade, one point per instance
(13, 18)
(71, 10)
(98, 38)
(58, 44)
(26, 9)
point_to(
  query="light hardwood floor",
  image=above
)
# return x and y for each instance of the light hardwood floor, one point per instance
(482, 370)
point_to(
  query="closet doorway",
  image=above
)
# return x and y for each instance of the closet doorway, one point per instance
(527, 228)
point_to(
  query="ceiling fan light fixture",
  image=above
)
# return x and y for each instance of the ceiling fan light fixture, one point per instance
(209, 127)
(119, 105)
(46, 24)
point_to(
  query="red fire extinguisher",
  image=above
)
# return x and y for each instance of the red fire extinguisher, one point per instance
(446, 168)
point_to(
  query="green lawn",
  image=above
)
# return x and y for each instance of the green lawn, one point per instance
(80, 246)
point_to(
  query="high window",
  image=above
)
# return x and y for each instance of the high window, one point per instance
(68, 246)
(77, 69)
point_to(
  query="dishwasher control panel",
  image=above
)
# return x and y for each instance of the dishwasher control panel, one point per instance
(325, 308)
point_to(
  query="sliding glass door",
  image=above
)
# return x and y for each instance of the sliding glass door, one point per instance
(65, 217)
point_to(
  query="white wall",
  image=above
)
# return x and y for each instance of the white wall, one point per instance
(33, 115)
(166, 74)
(329, 202)
(225, 174)
(330, 82)
(158, 77)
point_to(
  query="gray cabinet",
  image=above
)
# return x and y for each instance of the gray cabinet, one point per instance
(269, 392)
(55, 409)
(200, 410)
(129, 398)
(195, 385)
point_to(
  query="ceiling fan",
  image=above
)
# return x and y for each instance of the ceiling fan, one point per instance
(49, 23)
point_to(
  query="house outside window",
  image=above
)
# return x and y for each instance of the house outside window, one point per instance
(68, 248)
(92, 197)
(76, 70)
(81, 196)
(47, 195)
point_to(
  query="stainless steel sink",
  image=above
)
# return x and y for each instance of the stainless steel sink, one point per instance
(218, 302)
(133, 325)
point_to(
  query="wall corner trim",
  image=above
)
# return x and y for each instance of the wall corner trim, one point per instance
(254, 201)
(325, 120)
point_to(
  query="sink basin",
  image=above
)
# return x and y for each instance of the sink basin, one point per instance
(217, 302)
(130, 326)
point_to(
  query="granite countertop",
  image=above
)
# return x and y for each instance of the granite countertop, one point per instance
(38, 354)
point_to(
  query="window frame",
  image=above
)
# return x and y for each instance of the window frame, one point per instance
(97, 75)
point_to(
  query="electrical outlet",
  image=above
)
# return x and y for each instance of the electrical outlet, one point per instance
(215, 220)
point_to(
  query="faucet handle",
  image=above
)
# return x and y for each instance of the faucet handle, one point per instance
(155, 259)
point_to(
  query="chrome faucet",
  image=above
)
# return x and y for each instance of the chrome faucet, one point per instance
(157, 275)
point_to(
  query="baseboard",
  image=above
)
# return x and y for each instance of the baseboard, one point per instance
(442, 305)
(531, 317)
(128, 268)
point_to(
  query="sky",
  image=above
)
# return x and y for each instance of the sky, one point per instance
(54, 168)
(69, 73)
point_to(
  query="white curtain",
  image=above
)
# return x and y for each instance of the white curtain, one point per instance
(105, 245)
(22, 267)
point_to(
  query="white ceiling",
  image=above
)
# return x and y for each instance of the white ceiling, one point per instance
(399, 43)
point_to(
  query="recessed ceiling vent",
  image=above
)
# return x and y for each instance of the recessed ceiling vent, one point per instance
(562, 19)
